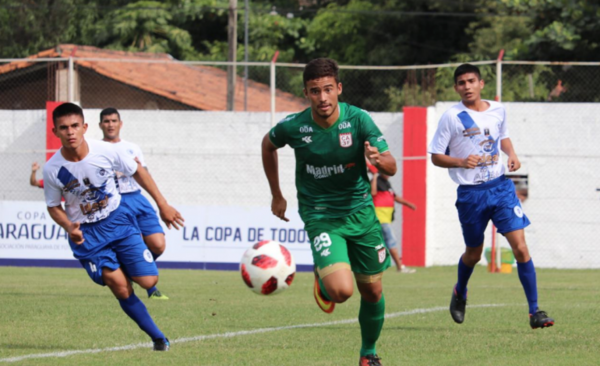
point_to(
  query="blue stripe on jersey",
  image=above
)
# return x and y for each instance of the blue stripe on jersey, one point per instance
(466, 120)
(65, 176)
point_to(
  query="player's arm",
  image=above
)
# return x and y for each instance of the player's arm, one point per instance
(513, 162)
(404, 202)
(167, 212)
(33, 179)
(445, 161)
(438, 148)
(374, 143)
(271, 166)
(374, 185)
(59, 216)
(384, 162)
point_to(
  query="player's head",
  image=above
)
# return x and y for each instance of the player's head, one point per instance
(322, 86)
(468, 83)
(110, 124)
(69, 125)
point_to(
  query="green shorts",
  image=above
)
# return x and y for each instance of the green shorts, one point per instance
(355, 239)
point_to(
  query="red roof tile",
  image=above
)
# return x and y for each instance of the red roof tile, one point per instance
(202, 87)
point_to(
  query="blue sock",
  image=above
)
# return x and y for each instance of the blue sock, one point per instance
(464, 273)
(529, 282)
(151, 290)
(138, 312)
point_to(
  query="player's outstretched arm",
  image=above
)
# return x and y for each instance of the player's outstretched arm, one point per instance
(59, 216)
(384, 162)
(168, 213)
(406, 203)
(445, 161)
(271, 167)
(513, 162)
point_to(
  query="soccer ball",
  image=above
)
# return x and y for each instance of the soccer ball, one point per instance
(268, 268)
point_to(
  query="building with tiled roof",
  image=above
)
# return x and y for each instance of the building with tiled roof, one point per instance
(129, 80)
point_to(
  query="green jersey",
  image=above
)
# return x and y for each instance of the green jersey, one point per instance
(331, 171)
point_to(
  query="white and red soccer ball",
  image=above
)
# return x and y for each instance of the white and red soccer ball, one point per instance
(268, 268)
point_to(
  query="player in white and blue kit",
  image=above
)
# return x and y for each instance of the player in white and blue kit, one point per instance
(468, 141)
(147, 220)
(102, 231)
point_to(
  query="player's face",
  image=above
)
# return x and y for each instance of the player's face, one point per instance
(111, 126)
(469, 86)
(323, 95)
(70, 130)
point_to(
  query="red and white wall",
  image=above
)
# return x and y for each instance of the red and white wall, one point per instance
(210, 162)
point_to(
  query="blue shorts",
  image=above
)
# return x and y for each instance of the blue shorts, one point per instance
(388, 236)
(495, 200)
(113, 243)
(144, 213)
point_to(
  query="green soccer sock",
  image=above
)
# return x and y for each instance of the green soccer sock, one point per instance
(370, 317)
(323, 290)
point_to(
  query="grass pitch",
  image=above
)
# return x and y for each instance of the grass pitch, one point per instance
(59, 317)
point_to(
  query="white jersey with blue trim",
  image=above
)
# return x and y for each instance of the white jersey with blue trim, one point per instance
(129, 150)
(88, 186)
(462, 132)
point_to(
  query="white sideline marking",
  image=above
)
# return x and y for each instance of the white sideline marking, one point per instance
(229, 334)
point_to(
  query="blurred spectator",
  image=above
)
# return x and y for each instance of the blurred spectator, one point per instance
(385, 199)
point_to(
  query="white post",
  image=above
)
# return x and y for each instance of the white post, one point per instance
(273, 87)
(71, 81)
(499, 76)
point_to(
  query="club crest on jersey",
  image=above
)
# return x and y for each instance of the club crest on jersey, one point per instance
(102, 173)
(346, 139)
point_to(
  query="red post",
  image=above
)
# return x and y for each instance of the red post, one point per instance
(52, 142)
(414, 185)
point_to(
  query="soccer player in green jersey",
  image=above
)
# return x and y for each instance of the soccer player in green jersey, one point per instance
(330, 142)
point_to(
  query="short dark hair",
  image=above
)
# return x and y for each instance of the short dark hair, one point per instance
(320, 68)
(66, 109)
(466, 69)
(108, 111)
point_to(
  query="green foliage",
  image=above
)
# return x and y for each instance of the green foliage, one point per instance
(354, 32)
(145, 26)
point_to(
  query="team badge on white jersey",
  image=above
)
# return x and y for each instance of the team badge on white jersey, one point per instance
(346, 139)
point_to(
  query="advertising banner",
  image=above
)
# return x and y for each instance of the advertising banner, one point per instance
(213, 237)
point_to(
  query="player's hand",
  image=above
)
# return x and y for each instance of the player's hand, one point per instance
(76, 234)
(513, 163)
(372, 154)
(412, 206)
(35, 167)
(171, 216)
(278, 207)
(471, 162)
